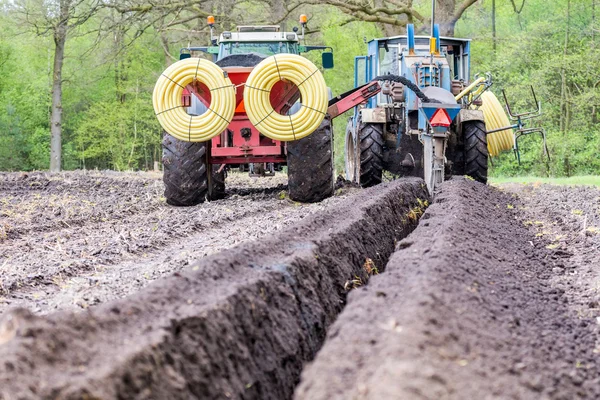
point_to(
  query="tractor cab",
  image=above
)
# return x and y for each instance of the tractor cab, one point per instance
(265, 40)
(447, 66)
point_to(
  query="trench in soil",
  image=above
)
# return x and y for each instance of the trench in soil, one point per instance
(468, 309)
(238, 324)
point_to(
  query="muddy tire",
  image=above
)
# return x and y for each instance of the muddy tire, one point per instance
(351, 155)
(184, 171)
(476, 152)
(371, 153)
(310, 165)
(217, 183)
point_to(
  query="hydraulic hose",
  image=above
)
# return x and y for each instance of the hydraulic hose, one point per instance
(495, 118)
(313, 91)
(408, 83)
(170, 111)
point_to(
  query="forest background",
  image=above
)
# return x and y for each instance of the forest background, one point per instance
(88, 68)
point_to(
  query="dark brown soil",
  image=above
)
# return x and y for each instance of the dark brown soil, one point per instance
(74, 240)
(471, 307)
(494, 296)
(238, 324)
(566, 219)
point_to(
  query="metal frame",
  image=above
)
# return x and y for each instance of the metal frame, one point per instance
(519, 126)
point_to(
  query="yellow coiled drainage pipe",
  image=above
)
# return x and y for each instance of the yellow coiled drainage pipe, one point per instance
(313, 91)
(495, 117)
(169, 109)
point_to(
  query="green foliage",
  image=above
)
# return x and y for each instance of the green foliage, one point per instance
(116, 135)
(108, 120)
(531, 51)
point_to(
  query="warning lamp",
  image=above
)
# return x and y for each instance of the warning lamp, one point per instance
(210, 20)
(303, 21)
(440, 119)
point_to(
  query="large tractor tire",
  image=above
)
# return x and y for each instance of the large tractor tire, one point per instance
(310, 165)
(371, 153)
(476, 151)
(185, 173)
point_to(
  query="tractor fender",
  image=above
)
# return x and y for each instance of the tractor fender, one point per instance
(470, 115)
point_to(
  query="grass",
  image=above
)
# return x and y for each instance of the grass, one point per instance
(588, 180)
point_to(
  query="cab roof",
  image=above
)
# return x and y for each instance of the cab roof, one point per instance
(258, 36)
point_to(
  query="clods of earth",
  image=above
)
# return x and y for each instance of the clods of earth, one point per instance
(480, 293)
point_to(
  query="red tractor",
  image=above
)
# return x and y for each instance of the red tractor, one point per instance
(196, 171)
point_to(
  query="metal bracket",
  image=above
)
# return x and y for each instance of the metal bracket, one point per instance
(373, 115)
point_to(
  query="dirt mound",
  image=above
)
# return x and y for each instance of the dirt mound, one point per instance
(465, 310)
(238, 324)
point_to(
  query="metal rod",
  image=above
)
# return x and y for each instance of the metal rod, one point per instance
(432, 16)
(515, 126)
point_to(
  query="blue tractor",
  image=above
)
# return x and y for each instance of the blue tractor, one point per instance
(423, 122)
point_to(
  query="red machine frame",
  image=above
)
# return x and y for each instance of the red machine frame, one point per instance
(241, 142)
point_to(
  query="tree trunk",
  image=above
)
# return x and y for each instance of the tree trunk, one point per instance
(444, 16)
(387, 29)
(60, 39)
(563, 76)
(494, 39)
(593, 23)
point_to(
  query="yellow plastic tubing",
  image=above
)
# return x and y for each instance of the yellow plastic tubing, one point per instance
(313, 90)
(167, 100)
(496, 118)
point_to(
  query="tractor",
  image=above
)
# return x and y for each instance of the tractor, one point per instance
(403, 130)
(428, 120)
(416, 113)
(196, 171)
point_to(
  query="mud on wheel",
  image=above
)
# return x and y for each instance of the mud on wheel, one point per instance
(476, 151)
(371, 153)
(216, 187)
(351, 152)
(186, 171)
(310, 165)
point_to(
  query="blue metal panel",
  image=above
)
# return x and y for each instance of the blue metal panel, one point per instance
(468, 54)
(446, 79)
(410, 32)
(422, 122)
(373, 63)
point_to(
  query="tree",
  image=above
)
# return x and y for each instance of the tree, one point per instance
(57, 18)
(394, 15)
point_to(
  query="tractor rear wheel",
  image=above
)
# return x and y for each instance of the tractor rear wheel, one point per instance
(310, 165)
(371, 153)
(476, 151)
(184, 171)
